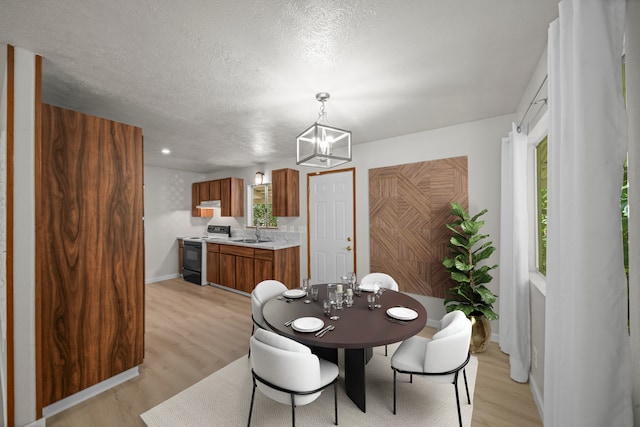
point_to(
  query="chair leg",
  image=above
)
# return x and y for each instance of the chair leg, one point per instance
(293, 411)
(455, 384)
(253, 394)
(464, 373)
(253, 327)
(394, 392)
(335, 398)
(385, 351)
(411, 378)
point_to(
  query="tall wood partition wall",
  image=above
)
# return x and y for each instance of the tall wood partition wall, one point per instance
(408, 211)
(90, 259)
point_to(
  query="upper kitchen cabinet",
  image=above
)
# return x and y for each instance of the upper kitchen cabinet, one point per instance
(286, 192)
(229, 191)
(198, 191)
(232, 197)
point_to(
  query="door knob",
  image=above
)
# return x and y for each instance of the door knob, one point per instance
(348, 239)
(348, 248)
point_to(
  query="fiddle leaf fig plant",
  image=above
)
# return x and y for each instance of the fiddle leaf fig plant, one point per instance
(468, 249)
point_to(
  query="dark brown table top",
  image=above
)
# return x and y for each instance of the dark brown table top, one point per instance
(358, 327)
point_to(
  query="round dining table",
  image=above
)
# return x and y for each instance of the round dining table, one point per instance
(357, 330)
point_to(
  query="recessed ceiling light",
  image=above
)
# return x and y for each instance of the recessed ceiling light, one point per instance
(166, 151)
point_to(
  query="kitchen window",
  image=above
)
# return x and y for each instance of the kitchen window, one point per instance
(260, 214)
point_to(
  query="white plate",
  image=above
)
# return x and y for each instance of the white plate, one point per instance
(307, 324)
(367, 287)
(402, 313)
(294, 293)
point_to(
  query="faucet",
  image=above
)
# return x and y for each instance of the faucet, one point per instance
(257, 231)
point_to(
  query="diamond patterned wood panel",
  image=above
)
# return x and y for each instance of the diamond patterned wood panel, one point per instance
(408, 212)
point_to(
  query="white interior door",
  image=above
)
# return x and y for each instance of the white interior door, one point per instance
(331, 224)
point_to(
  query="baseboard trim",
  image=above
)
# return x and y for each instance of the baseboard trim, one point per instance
(537, 397)
(88, 393)
(161, 278)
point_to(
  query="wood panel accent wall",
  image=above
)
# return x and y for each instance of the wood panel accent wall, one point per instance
(408, 211)
(89, 247)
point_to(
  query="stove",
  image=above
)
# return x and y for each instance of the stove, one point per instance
(194, 259)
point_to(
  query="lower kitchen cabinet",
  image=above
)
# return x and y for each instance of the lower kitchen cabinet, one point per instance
(242, 267)
(213, 262)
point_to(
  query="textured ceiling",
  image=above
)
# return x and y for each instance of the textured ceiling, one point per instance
(232, 83)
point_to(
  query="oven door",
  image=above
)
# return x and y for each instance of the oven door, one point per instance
(192, 261)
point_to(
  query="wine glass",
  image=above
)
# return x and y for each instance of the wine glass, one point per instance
(306, 284)
(379, 290)
(353, 279)
(333, 298)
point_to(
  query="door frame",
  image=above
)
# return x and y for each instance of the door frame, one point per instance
(353, 202)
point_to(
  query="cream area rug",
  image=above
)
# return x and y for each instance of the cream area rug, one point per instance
(223, 399)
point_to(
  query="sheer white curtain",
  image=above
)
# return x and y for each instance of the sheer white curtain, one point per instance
(515, 330)
(587, 352)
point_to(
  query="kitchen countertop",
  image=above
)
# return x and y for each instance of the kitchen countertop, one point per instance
(274, 244)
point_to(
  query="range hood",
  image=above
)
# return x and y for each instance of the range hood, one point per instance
(209, 204)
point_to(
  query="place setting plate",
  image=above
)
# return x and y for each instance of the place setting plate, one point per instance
(402, 313)
(294, 293)
(307, 324)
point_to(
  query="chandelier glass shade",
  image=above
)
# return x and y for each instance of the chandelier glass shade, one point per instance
(322, 145)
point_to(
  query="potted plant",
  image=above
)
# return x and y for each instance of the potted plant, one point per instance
(468, 249)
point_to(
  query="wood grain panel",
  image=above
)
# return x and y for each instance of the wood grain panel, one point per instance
(91, 251)
(409, 209)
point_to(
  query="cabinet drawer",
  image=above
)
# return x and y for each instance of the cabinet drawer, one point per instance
(237, 250)
(213, 247)
(264, 254)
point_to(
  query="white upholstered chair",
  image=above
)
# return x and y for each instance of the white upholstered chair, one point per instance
(287, 372)
(440, 358)
(262, 293)
(385, 280)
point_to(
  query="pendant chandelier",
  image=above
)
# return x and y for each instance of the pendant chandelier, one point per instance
(322, 145)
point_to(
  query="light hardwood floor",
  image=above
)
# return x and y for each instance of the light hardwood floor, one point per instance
(192, 331)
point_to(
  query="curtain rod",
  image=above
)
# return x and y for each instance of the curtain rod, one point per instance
(534, 101)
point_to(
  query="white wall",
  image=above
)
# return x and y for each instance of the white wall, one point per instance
(167, 212)
(24, 246)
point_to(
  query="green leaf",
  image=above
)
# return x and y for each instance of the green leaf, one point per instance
(462, 265)
(479, 214)
(484, 254)
(459, 211)
(448, 262)
(488, 313)
(459, 241)
(471, 227)
(486, 295)
(459, 277)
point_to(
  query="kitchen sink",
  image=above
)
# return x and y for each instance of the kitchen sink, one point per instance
(255, 240)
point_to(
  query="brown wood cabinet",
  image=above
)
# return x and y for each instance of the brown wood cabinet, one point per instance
(286, 192)
(180, 255)
(232, 197)
(213, 262)
(89, 252)
(230, 192)
(199, 193)
(243, 267)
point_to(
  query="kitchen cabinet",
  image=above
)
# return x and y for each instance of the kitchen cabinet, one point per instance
(200, 192)
(232, 197)
(243, 267)
(230, 192)
(213, 262)
(180, 255)
(285, 185)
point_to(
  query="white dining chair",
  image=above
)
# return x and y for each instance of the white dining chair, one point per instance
(439, 359)
(262, 293)
(286, 371)
(385, 281)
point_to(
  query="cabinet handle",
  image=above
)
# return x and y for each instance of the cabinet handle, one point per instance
(348, 239)
(348, 248)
